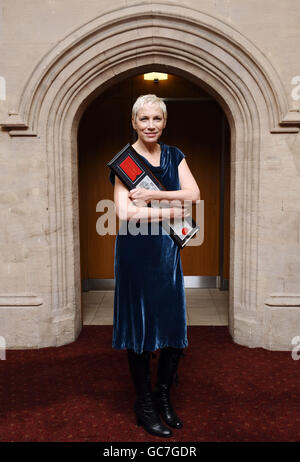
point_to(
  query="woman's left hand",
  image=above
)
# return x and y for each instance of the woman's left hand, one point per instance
(141, 194)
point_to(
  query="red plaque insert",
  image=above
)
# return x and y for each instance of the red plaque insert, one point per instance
(130, 168)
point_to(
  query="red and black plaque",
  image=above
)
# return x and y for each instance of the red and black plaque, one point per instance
(134, 173)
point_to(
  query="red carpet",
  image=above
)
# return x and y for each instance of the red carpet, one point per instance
(83, 392)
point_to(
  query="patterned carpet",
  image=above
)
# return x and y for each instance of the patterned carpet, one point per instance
(83, 392)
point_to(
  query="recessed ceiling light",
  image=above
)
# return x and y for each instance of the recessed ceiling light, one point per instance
(156, 76)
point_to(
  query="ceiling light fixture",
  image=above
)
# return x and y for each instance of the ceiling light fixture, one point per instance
(155, 76)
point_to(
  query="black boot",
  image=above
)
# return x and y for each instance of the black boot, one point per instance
(144, 407)
(166, 374)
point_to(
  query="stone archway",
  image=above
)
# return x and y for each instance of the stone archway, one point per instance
(176, 39)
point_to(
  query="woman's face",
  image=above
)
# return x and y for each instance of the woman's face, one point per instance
(149, 123)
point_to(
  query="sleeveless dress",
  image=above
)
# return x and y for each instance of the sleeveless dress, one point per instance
(149, 299)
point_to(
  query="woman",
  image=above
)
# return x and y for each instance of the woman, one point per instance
(149, 303)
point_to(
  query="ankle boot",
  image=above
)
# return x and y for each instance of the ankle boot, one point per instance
(144, 406)
(166, 375)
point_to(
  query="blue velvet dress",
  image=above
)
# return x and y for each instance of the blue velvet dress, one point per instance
(149, 300)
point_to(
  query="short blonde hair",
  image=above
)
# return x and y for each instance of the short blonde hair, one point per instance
(148, 99)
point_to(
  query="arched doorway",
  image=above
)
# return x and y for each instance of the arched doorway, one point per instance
(196, 124)
(100, 54)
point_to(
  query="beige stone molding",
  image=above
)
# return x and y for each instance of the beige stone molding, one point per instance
(22, 132)
(292, 117)
(20, 300)
(283, 299)
(289, 123)
(14, 121)
(285, 129)
(16, 126)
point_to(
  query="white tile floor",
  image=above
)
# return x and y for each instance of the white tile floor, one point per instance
(205, 307)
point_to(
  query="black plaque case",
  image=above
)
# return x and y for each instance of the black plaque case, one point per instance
(134, 173)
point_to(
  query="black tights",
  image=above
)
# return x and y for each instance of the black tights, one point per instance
(167, 348)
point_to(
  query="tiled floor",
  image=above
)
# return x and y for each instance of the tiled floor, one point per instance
(204, 307)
